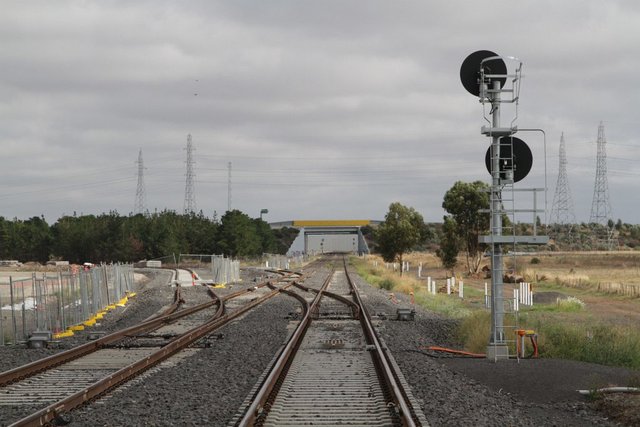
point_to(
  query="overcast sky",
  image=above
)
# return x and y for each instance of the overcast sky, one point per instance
(326, 109)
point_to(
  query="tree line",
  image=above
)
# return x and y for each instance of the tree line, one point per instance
(466, 205)
(112, 237)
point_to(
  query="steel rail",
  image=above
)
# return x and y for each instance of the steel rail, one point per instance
(260, 403)
(33, 368)
(355, 310)
(380, 353)
(57, 409)
(30, 369)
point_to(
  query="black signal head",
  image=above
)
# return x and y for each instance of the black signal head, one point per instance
(520, 162)
(470, 70)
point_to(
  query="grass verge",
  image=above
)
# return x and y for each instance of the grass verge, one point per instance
(564, 329)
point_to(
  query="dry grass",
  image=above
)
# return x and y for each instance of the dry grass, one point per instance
(600, 327)
(606, 272)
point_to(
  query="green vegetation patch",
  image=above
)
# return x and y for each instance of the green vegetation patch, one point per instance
(596, 343)
(448, 305)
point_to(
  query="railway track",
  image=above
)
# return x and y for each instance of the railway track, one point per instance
(74, 377)
(334, 370)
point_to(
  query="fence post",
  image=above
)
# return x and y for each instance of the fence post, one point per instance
(1, 320)
(13, 311)
(24, 313)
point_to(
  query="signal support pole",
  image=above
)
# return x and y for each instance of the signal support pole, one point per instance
(497, 348)
(483, 74)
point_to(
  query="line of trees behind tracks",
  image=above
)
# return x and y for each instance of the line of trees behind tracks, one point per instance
(113, 237)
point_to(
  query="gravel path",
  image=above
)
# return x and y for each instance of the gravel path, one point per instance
(209, 384)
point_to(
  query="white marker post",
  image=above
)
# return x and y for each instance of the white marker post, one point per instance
(461, 290)
(448, 286)
(486, 295)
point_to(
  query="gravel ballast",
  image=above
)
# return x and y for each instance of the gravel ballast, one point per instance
(208, 386)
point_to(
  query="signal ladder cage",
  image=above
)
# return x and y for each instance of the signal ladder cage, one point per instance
(511, 231)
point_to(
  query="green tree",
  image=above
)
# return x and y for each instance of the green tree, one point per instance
(401, 231)
(284, 238)
(449, 245)
(72, 238)
(463, 202)
(238, 236)
(267, 238)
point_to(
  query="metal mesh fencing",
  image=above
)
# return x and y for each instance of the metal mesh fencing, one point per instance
(224, 270)
(54, 302)
(283, 262)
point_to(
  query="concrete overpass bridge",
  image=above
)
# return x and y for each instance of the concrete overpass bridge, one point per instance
(323, 236)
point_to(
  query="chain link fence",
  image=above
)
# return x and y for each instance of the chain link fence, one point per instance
(56, 302)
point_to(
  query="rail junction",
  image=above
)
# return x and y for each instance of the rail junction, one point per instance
(220, 379)
(80, 375)
(334, 369)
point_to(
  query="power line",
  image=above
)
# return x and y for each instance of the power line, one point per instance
(140, 202)
(189, 192)
(229, 187)
(562, 208)
(601, 206)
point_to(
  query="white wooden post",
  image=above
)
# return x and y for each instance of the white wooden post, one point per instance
(448, 286)
(486, 295)
(461, 289)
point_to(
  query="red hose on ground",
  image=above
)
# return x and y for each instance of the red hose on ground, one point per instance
(450, 350)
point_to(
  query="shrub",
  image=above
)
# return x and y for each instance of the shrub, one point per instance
(535, 260)
(596, 343)
(570, 304)
(474, 331)
(386, 284)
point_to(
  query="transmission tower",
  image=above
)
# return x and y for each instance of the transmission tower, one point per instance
(601, 208)
(139, 205)
(562, 209)
(229, 188)
(189, 194)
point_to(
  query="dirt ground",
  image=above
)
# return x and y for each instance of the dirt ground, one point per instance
(555, 381)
